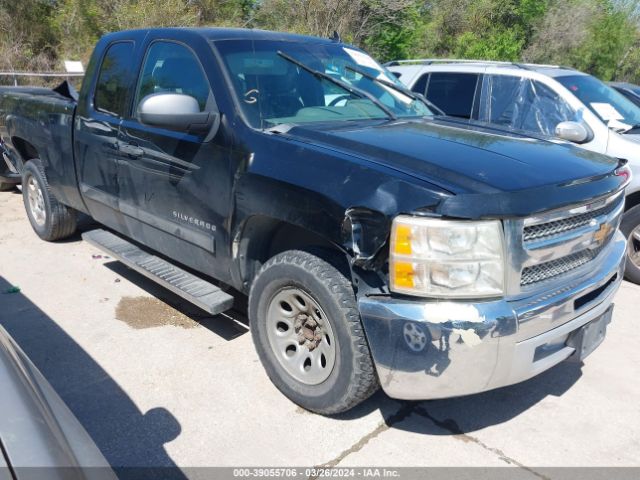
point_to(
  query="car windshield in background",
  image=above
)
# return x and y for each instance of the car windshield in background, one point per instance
(609, 105)
(291, 82)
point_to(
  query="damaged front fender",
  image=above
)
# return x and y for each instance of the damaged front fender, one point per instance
(364, 233)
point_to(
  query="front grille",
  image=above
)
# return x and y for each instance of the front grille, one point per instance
(547, 270)
(557, 244)
(549, 229)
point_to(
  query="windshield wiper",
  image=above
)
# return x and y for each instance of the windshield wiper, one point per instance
(398, 88)
(344, 85)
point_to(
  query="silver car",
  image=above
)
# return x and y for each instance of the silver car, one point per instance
(39, 436)
(540, 100)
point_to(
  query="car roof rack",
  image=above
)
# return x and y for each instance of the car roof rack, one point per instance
(431, 61)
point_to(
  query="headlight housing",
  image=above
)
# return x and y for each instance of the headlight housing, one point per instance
(447, 258)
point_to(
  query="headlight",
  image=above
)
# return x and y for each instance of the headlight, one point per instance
(446, 258)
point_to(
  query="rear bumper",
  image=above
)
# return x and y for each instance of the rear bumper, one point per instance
(438, 349)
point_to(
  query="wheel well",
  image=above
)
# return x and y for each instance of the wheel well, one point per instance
(632, 200)
(25, 149)
(263, 238)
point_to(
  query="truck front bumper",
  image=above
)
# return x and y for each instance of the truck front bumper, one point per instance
(437, 349)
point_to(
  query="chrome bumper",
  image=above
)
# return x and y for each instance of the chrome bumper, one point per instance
(437, 349)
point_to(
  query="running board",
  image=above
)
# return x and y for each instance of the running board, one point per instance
(193, 289)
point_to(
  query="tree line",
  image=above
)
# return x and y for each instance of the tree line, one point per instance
(597, 36)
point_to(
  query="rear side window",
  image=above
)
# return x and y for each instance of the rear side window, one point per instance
(173, 68)
(113, 80)
(453, 93)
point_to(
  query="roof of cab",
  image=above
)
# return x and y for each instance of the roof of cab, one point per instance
(214, 33)
(256, 34)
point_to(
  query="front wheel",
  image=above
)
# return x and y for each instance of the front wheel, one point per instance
(306, 329)
(630, 227)
(50, 219)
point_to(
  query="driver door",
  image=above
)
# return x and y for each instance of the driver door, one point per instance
(167, 178)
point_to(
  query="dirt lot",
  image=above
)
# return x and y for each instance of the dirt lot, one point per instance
(158, 383)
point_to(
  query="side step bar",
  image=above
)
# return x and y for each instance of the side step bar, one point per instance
(193, 289)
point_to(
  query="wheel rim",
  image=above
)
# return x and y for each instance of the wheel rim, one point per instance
(36, 201)
(634, 246)
(300, 336)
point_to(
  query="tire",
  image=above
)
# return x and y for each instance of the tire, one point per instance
(50, 219)
(630, 227)
(348, 377)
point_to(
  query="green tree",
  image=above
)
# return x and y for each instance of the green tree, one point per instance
(395, 36)
(27, 39)
(483, 29)
(595, 36)
(598, 36)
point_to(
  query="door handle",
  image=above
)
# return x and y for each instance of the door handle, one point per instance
(131, 150)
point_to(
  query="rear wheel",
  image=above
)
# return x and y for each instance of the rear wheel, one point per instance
(50, 219)
(307, 331)
(630, 227)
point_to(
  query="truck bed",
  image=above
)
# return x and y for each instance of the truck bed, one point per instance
(38, 116)
(28, 91)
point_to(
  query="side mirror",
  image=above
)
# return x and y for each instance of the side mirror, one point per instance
(174, 111)
(572, 131)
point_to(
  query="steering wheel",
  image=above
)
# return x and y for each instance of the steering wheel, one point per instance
(337, 100)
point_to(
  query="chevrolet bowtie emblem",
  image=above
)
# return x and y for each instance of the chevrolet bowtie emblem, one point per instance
(603, 232)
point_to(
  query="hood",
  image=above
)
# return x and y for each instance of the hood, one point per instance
(462, 158)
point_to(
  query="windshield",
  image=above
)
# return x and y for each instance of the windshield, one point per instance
(280, 82)
(609, 105)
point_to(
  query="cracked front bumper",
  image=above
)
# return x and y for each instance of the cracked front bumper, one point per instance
(437, 349)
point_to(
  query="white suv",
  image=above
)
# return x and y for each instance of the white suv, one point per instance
(540, 101)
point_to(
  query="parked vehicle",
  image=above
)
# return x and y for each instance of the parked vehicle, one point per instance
(629, 90)
(453, 258)
(39, 436)
(542, 101)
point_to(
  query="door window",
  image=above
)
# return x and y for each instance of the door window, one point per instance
(524, 104)
(421, 85)
(112, 87)
(171, 67)
(453, 93)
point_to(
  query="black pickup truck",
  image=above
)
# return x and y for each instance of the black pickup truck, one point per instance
(377, 244)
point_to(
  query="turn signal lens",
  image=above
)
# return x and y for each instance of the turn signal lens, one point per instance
(403, 240)
(403, 274)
